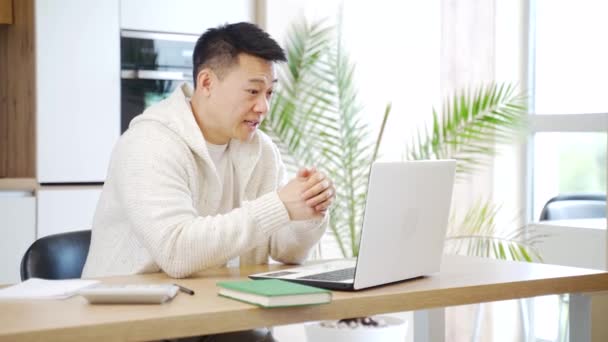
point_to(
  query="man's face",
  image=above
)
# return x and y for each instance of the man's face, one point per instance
(240, 100)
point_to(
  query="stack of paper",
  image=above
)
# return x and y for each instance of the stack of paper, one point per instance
(35, 288)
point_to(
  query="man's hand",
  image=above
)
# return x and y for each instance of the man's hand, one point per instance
(307, 196)
(320, 192)
(291, 196)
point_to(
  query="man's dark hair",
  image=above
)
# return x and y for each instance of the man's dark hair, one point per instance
(219, 47)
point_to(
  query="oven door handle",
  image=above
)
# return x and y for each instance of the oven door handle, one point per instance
(154, 75)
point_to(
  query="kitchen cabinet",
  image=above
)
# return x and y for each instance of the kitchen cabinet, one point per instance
(18, 231)
(17, 87)
(183, 16)
(6, 11)
(66, 209)
(77, 88)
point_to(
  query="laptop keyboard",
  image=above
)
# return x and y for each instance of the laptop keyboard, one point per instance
(337, 275)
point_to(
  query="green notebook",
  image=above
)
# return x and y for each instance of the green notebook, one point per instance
(270, 293)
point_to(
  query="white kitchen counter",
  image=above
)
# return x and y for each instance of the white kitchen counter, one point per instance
(578, 243)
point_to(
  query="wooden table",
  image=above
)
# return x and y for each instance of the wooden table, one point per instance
(463, 280)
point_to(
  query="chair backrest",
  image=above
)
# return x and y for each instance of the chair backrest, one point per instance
(60, 256)
(574, 206)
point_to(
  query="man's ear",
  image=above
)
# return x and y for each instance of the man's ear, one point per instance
(205, 81)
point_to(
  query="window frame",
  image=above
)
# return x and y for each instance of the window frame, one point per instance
(559, 123)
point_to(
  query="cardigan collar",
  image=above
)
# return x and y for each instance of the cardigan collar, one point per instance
(175, 113)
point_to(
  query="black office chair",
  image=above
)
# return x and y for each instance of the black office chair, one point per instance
(574, 206)
(59, 256)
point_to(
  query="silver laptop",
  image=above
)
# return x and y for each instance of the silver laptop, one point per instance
(404, 227)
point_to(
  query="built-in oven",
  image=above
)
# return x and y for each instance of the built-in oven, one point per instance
(152, 66)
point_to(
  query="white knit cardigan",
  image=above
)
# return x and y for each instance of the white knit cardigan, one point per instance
(158, 208)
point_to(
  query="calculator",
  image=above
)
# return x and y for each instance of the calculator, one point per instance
(129, 293)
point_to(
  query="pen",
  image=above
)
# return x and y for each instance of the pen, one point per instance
(185, 289)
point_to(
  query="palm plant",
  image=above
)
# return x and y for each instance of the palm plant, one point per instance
(470, 128)
(315, 119)
(477, 233)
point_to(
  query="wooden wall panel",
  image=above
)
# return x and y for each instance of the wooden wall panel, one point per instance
(17, 94)
(3, 100)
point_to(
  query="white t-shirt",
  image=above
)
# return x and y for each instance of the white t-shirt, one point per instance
(230, 195)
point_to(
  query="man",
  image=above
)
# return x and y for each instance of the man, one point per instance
(193, 184)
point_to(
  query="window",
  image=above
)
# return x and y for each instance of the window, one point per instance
(568, 73)
(568, 69)
(568, 162)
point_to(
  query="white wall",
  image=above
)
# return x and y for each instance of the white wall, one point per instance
(396, 51)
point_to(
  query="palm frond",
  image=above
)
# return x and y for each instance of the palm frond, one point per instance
(353, 152)
(477, 234)
(315, 119)
(301, 103)
(471, 125)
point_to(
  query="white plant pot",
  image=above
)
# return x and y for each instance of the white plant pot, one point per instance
(394, 330)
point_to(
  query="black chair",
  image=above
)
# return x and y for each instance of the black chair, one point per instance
(574, 206)
(568, 207)
(60, 256)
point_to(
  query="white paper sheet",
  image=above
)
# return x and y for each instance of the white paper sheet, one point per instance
(36, 288)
